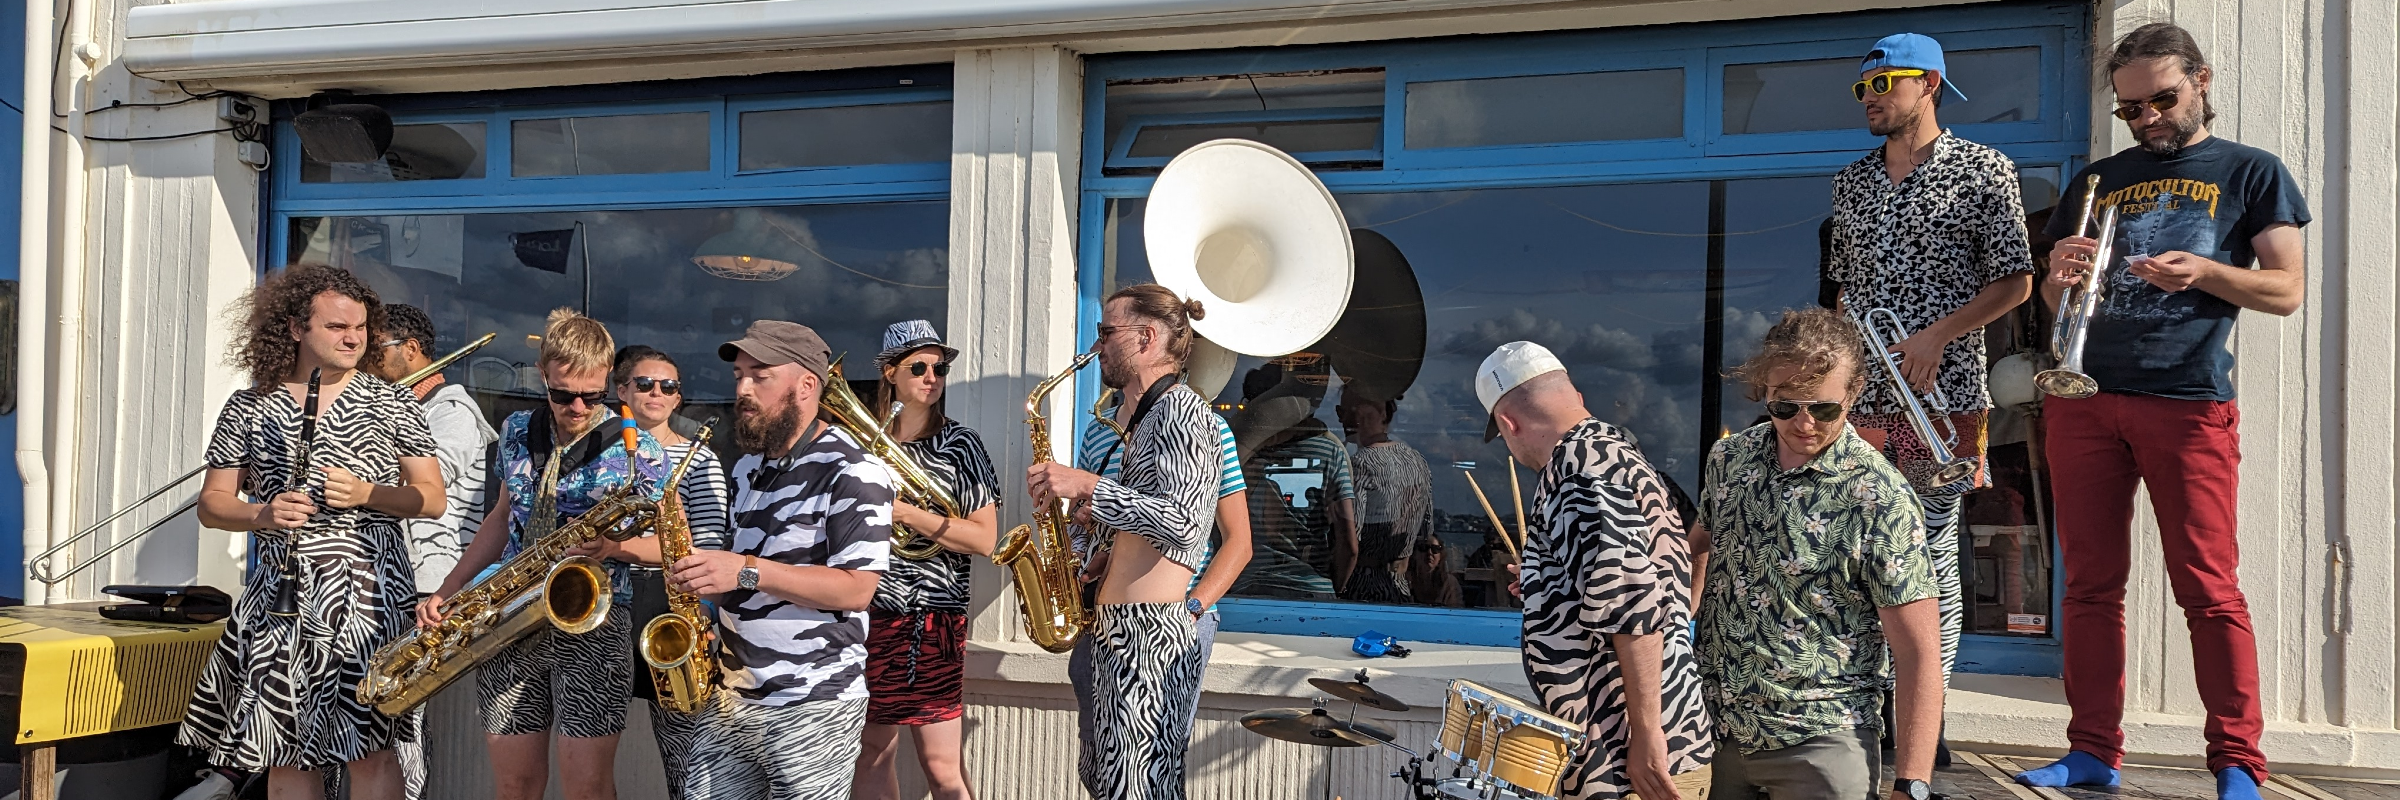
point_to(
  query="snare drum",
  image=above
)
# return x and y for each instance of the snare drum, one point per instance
(1503, 746)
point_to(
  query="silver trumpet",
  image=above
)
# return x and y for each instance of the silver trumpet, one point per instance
(1882, 329)
(2077, 306)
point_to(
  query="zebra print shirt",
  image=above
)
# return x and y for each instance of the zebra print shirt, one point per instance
(1605, 554)
(827, 504)
(365, 429)
(1168, 491)
(955, 457)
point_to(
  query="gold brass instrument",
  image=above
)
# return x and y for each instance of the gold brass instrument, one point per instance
(1040, 557)
(913, 485)
(674, 644)
(542, 584)
(1882, 330)
(39, 566)
(2078, 305)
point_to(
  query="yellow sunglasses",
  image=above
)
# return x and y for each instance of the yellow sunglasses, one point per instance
(1882, 84)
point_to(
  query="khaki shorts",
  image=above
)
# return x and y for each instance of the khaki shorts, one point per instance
(1691, 785)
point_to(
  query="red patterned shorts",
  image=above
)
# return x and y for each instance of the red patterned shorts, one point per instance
(1892, 434)
(916, 667)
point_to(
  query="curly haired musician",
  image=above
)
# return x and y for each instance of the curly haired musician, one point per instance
(1820, 587)
(2206, 227)
(1146, 657)
(277, 694)
(1607, 585)
(557, 462)
(812, 516)
(917, 647)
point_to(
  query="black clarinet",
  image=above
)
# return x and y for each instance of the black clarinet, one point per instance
(287, 582)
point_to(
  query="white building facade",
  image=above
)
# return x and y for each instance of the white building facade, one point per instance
(1636, 184)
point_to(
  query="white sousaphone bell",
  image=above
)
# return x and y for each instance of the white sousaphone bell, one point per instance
(1258, 240)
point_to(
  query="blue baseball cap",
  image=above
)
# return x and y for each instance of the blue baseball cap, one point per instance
(1909, 51)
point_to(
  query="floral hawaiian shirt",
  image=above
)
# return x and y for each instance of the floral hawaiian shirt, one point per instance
(1791, 645)
(581, 486)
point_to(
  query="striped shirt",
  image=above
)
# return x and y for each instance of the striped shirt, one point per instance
(462, 444)
(1100, 451)
(703, 493)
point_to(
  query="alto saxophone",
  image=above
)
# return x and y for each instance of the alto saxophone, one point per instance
(540, 585)
(674, 644)
(911, 483)
(1040, 557)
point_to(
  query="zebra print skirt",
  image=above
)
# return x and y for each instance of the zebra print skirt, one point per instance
(1146, 664)
(283, 692)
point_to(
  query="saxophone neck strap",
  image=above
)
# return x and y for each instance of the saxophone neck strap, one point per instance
(1141, 411)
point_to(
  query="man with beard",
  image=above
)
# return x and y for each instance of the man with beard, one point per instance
(1146, 657)
(812, 518)
(1930, 227)
(2206, 228)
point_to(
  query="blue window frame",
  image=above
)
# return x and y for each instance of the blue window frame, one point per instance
(1704, 167)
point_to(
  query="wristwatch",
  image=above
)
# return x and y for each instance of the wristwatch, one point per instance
(748, 577)
(1193, 605)
(1913, 789)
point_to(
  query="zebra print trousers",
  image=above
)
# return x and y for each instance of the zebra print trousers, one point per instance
(674, 733)
(1146, 663)
(1941, 536)
(746, 751)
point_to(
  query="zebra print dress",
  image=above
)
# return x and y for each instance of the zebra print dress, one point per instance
(282, 692)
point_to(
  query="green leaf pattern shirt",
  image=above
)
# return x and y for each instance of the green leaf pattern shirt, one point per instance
(1791, 644)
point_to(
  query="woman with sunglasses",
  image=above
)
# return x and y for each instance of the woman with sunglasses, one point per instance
(651, 385)
(1819, 563)
(555, 463)
(916, 641)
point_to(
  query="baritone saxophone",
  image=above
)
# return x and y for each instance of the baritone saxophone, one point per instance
(675, 644)
(1040, 557)
(541, 586)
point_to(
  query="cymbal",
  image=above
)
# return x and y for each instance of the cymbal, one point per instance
(1312, 726)
(1358, 692)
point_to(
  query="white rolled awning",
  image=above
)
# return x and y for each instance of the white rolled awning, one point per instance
(254, 38)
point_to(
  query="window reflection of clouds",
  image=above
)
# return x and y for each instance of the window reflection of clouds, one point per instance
(876, 259)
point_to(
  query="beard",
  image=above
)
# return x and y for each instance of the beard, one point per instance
(1894, 123)
(755, 431)
(2182, 129)
(1114, 375)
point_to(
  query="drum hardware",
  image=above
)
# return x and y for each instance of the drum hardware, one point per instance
(1501, 746)
(1357, 691)
(1314, 726)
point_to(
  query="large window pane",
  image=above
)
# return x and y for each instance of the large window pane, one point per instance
(630, 144)
(1787, 96)
(853, 269)
(424, 152)
(900, 133)
(1583, 107)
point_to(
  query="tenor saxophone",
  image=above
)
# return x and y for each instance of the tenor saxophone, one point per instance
(541, 585)
(1040, 558)
(673, 644)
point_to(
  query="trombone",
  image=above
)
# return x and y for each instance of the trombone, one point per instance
(39, 566)
(2077, 306)
(1882, 329)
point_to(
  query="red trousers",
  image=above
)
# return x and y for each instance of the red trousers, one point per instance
(2187, 452)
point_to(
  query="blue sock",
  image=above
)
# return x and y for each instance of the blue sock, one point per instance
(2077, 769)
(2235, 783)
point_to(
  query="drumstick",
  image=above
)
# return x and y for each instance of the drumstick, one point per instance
(1495, 515)
(1518, 495)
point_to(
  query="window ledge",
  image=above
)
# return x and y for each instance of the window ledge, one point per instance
(1271, 665)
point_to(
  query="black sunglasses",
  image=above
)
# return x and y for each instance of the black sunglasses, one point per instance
(1826, 411)
(562, 397)
(917, 368)
(666, 386)
(2130, 111)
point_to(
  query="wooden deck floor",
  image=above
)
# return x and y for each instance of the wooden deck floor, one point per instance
(1974, 776)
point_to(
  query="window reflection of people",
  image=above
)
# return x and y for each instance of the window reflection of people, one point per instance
(1430, 581)
(1395, 496)
(1303, 541)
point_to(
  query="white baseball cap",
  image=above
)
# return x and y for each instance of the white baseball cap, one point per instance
(1507, 368)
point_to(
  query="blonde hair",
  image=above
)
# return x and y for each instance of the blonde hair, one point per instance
(576, 342)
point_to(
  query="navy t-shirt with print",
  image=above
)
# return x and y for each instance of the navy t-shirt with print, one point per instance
(2210, 199)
